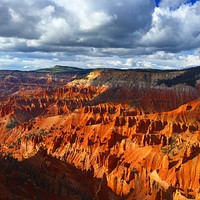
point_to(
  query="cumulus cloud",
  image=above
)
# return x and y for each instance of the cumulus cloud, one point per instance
(114, 33)
(71, 23)
(174, 30)
(171, 3)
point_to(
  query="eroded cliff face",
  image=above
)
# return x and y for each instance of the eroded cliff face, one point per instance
(130, 133)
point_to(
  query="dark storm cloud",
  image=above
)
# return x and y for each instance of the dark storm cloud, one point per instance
(128, 17)
(16, 22)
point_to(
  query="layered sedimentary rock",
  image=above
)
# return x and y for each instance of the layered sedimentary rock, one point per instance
(133, 134)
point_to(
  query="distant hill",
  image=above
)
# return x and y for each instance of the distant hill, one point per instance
(63, 69)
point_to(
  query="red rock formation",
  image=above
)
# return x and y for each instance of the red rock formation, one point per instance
(129, 135)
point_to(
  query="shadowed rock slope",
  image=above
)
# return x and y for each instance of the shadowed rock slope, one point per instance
(100, 134)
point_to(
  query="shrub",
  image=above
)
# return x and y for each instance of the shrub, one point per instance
(12, 124)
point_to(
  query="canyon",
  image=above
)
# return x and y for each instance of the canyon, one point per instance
(102, 134)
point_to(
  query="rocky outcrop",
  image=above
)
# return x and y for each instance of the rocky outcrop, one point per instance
(132, 135)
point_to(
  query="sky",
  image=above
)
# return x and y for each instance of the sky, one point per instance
(160, 34)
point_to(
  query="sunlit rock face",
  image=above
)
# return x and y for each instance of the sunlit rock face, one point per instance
(123, 134)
